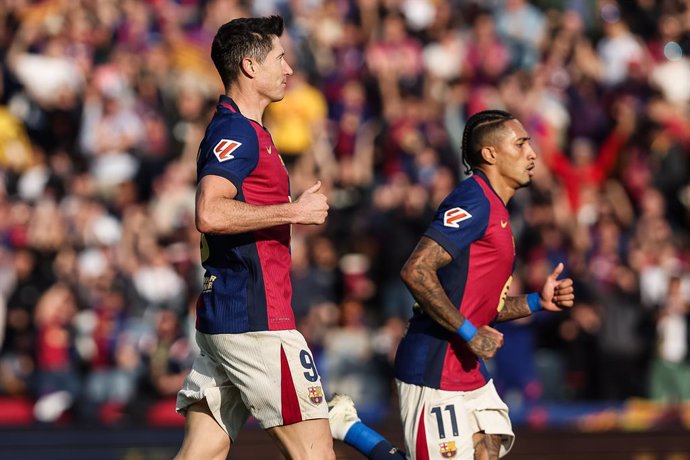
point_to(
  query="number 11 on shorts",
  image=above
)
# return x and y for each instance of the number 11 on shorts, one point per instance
(438, 412)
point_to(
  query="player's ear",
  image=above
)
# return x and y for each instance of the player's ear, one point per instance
(489, 154)
(248, 67)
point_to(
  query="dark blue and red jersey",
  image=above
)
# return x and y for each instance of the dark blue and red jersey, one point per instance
(247, 281)
(472, 225)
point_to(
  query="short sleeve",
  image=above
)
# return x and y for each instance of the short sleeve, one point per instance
(230, 149)
(461, 219)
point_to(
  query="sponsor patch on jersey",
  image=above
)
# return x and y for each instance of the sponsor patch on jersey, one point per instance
(315, 395)
(208, 284)
(224, 148)
(448, 449)
(453, 216)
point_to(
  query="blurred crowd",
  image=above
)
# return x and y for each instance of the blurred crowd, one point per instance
(102, 107)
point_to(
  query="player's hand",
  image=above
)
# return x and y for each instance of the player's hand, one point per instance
(557, 294)
(486, 342)
(312, 206)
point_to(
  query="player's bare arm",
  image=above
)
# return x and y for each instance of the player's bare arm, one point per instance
(218, 212)
(556, 295)
(514, 307)
(419, 274)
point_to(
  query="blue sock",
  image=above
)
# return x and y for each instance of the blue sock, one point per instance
(362, 438)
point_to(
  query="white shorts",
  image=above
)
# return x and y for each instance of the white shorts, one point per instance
(269, 374)
(439, 424)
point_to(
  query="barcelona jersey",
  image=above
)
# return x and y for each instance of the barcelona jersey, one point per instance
(247, 280)
(472, 225)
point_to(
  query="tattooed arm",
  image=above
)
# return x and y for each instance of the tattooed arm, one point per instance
(419, 274)
(514, 307)
(554, 296)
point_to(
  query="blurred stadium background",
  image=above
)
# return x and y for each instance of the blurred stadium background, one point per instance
(103, 104)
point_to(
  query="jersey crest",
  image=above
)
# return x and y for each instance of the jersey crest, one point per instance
(315, 395)
(453, 216)
(224, 148)
(448, 449)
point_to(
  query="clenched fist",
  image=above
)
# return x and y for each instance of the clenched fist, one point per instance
(486, 342)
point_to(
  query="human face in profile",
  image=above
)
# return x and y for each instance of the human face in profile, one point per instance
(515, 157)
(271, 77)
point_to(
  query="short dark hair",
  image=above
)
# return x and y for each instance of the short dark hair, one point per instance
(478, 128)
(240, 38)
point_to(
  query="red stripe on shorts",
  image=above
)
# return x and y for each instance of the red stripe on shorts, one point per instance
(288, 395)
(421, 446)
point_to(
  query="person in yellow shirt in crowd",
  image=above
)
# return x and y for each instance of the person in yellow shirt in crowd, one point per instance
(298, 122)
(15, 148)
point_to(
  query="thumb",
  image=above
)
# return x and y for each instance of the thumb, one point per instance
(557, 271)
(314, 188)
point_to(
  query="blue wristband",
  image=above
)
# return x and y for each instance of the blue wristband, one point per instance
(467, 330)
(533, 302)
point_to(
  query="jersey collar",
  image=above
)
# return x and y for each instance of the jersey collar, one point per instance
(228, 103)
(480, 174)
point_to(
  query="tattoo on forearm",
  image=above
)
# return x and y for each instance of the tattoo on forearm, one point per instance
(514, 307)
(423, 282)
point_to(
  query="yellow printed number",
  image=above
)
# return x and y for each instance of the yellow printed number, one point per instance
(204, 248)
(504, 294)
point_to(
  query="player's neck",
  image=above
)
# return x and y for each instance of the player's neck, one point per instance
(250, 104)
(503, 189)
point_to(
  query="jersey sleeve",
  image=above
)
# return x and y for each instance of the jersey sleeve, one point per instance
(232, 152)
(461, 219)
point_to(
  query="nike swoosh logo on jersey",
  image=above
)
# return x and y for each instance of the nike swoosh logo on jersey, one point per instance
(504, 223)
